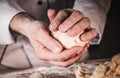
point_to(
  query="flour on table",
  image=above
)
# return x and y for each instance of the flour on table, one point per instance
(106, 70)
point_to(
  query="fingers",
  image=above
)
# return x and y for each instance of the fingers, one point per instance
(45, 54)
(87, 45)
(39, 49)
(57, 59)
(70, 21)
(51, 14)
(66, 63)
(87, 36)
(42, 52)
(57, 20)
(78, 27)
(48, 41)
(67, 54)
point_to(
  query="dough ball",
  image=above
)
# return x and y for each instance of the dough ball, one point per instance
(68, 41)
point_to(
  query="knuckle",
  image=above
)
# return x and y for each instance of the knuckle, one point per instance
(36, 23)
(78, 14)
(74, 31)
(70, 21)
(80, 26)
(87, 20)
(62, 12)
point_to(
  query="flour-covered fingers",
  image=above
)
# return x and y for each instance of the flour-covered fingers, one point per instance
(51, 14)
(60, 17)
(49, 42)
(79, 27)
(67, 62)
(70, 53)
(87, 36)
(70, 21)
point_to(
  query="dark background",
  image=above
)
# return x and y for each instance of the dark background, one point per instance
(110, 44)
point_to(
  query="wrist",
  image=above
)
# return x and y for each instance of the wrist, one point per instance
(21, 23)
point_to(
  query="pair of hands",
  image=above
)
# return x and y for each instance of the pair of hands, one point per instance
(68, 21)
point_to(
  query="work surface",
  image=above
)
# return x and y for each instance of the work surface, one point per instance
(53, 72)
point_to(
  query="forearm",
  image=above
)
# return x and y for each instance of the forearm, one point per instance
(21, 23)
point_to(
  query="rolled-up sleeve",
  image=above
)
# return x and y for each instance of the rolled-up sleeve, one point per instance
(96, 11)
(7, 12)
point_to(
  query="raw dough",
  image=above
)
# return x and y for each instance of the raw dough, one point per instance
(68, 41)
(106, 70)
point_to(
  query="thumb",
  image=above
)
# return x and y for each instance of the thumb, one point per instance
(51, 14)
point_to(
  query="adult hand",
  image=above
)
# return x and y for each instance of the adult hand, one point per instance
(72, 22)
(35, 30)
(65, 58)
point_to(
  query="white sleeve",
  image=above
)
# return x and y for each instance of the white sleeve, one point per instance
(7, 11)
(96, 11)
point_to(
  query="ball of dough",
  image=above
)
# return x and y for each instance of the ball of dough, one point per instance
(68, 41)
